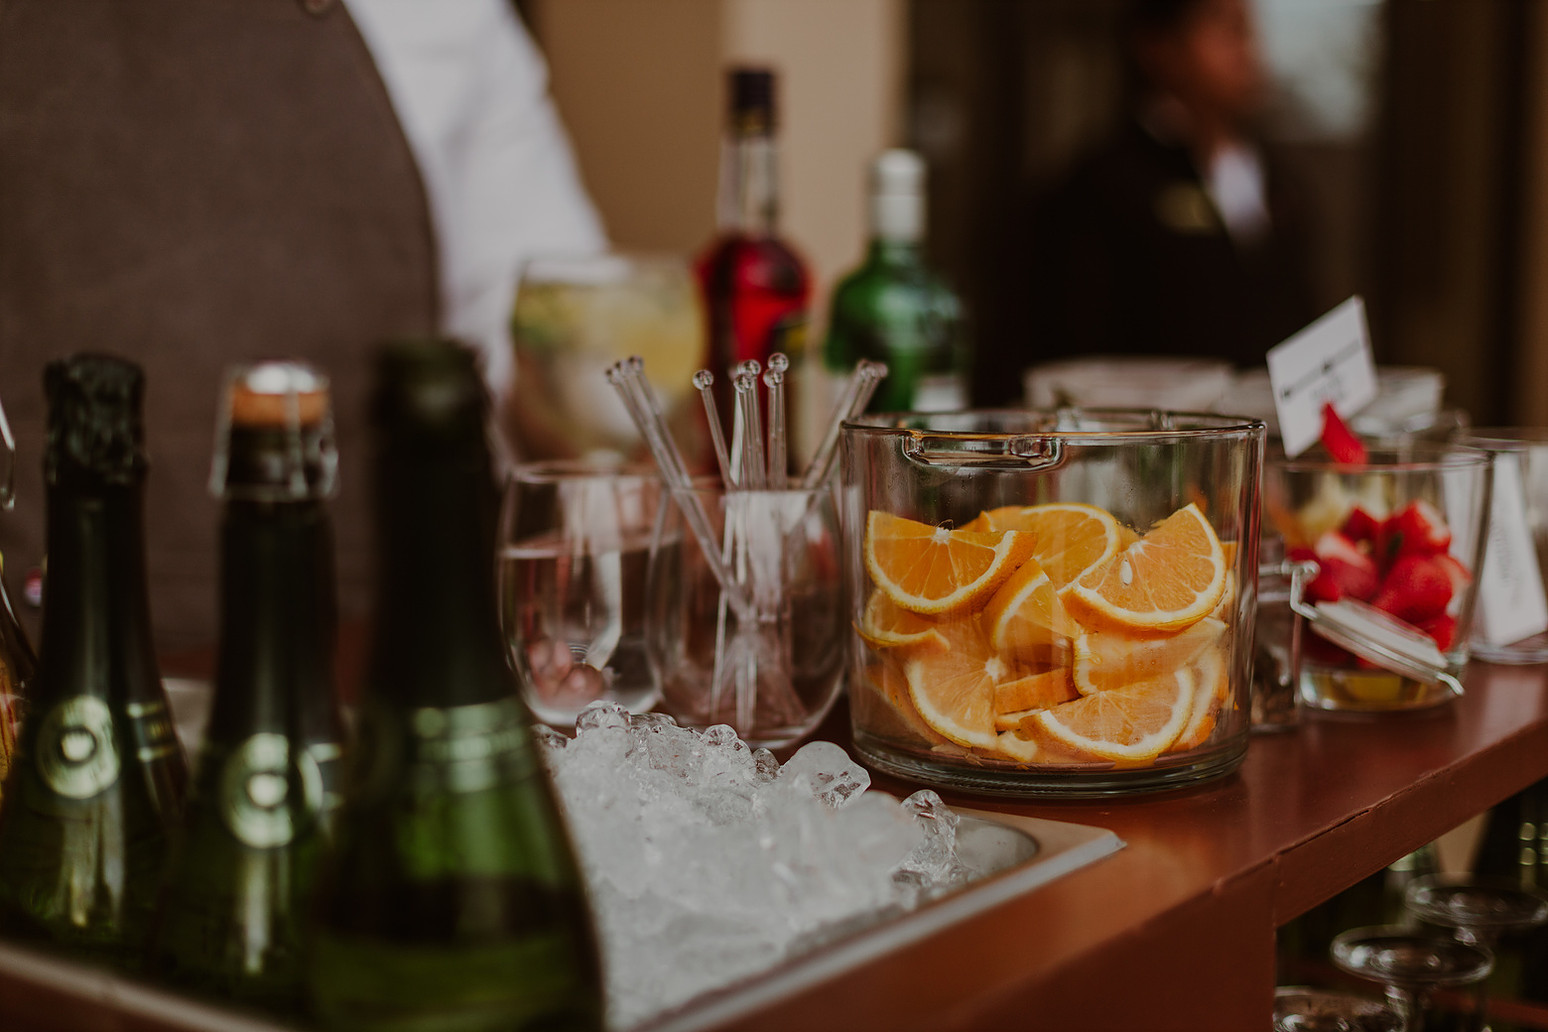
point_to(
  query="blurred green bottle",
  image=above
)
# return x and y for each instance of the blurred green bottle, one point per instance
(99, 775)
(236, 900)
(894, 308)
(453, 901)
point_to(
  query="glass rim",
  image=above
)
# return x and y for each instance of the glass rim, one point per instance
(1194, 425)
(580, 267)
(711, 484)
(556, 471)
(1500, 438)
(1417, 457)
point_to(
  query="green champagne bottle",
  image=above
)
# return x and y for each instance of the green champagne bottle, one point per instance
(453, 902)
(894, 308)
(99, 774)
(237, 897)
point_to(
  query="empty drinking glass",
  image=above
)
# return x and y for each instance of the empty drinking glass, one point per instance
(1411, 966)
(573, 555)
(1299, 1008)
(1512, 620)
(1477, 911)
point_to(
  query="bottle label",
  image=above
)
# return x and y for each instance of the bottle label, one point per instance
(153, 732)
(788, 334)
(942, 392)
(268, 794)
(77, 756)
(471, 748)
(328, 756)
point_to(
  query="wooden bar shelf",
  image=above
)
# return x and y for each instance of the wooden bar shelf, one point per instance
(1174, 931)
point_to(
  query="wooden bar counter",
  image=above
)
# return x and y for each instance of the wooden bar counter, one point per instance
(1176, 931)
(1173, 932)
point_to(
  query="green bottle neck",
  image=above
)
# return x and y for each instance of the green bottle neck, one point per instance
(96, 614)
(894, 254)
(277, 624)
(437, 641)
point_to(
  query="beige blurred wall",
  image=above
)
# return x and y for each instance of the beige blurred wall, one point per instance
(639, 85)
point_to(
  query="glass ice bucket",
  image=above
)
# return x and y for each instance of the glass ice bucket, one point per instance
(1052, 602)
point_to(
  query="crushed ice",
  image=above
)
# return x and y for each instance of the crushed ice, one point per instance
(709, 862)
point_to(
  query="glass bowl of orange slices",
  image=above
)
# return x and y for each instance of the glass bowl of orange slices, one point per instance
(1052, 602)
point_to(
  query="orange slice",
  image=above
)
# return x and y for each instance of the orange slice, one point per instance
(1222, 610)
(1025, 615)
(1023, 733)
(1213, 688)
(1137, 722)
(1167, 580)
(953, 688)
(885, 625)
(1071, 537)
(1013, 746)
(936, 570)
(1103, 660)
(1035, 691)
(881, 705)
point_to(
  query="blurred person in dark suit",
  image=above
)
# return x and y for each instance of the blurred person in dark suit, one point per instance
(1179, 235)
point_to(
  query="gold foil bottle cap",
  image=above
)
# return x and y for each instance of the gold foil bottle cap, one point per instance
(278, 394)
(283, 412)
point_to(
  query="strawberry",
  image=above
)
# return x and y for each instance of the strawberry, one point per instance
(1442, 629)
(1360, 526)
(1416, 529)
(1324, 587)
(1344, 570)
(1339, 440)
(1459, 575)
(1415, 589)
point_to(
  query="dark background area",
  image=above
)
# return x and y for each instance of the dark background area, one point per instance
(1416, 195)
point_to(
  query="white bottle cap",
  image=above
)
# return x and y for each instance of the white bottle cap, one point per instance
(897, 196)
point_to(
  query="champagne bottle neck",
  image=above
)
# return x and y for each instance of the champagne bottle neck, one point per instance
(437, 642)
(277, 623)
(96, 615)
(749, 188)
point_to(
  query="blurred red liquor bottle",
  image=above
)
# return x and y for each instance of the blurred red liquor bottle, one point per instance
(755, 286)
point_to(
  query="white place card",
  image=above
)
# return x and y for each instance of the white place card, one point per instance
(1511, 604)
(1329, 361)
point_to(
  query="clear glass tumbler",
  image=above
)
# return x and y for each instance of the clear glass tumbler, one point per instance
(575, 544)
(1516, 562)
(769, 660)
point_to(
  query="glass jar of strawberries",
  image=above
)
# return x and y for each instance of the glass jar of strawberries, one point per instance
(1401, 532)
